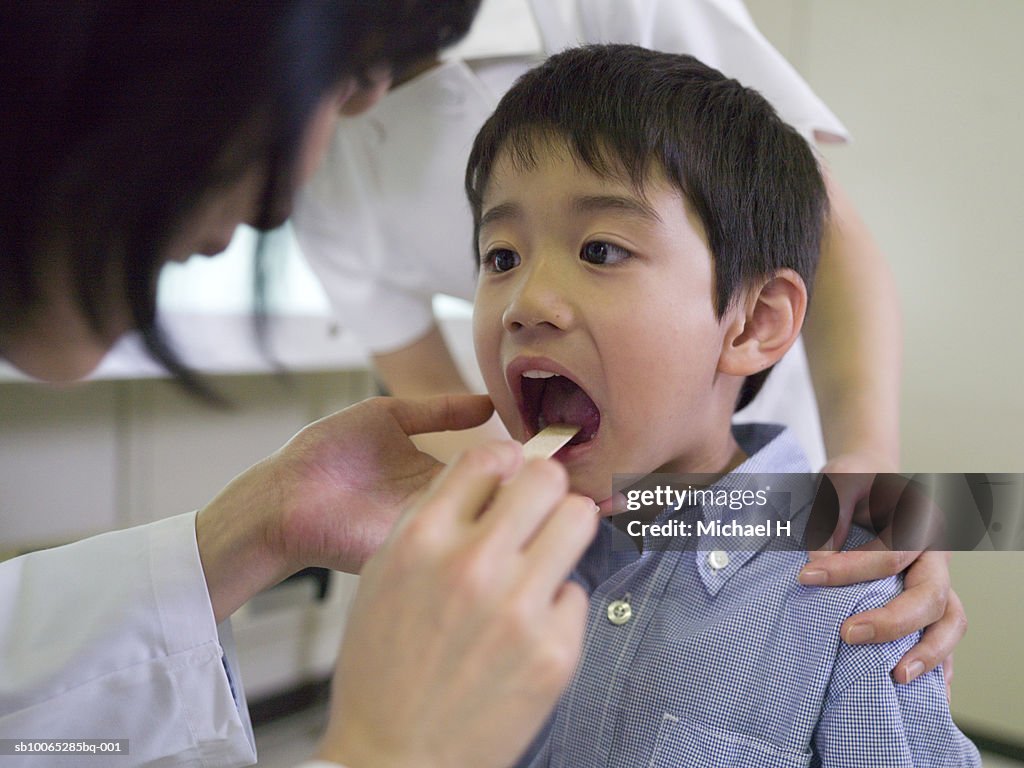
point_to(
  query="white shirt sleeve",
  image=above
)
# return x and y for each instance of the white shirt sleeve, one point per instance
(385, 224)
(113, 637)
(722, 34)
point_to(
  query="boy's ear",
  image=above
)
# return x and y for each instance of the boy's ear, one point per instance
(765, 326)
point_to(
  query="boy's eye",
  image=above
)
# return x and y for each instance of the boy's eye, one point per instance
(501, 260)
(600, 252)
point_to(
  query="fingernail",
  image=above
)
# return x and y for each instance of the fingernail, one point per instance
(913, 671)
(813, 577)
(507, 450)
(618, 503)
(860, 633)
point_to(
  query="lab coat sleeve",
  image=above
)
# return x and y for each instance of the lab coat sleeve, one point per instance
(114, 637)
(384, 224)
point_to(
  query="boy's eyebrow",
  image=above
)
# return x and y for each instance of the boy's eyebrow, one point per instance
(501, 212)
(596, 203)
(582, 204)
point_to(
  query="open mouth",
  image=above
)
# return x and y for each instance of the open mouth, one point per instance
(548, 398)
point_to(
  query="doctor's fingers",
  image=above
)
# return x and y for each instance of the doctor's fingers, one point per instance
(524, 505)
(550, 556)
(456, 497)
(438, 414)
(559, 650)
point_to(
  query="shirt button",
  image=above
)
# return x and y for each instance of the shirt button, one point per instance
(718, 559)
(619, 612)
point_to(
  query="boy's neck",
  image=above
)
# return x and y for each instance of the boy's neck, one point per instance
(711, 465)
(716, 460)
(714, 451)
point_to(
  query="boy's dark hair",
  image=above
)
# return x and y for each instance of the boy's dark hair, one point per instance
(121, 116)
(751, 178)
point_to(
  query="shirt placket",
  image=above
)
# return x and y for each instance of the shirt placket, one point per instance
(621, 609)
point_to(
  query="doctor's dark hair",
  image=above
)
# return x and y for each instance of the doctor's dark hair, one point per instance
(751, 179)
(121, 117)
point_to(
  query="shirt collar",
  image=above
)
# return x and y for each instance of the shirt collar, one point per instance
(775, 460)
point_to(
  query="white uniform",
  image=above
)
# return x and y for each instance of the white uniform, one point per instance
(114, 638)
(385, 224)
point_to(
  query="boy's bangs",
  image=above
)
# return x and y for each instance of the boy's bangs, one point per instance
(630, 165)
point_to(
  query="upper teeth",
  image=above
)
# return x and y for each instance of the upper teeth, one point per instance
(538, 374)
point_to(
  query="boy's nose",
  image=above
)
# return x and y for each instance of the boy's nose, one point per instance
(543, 298)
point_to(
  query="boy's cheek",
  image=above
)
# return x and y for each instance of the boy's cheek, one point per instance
(497, 390)
(486, 344)
(509, 416)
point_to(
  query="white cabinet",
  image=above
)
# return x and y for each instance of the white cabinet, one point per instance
(107, 454)
(59, 469)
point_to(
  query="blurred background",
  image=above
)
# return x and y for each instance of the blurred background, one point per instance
(932, 93)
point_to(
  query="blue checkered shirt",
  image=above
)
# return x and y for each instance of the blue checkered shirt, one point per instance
(739, 665)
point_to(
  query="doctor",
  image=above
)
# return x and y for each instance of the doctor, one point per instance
(137, 133)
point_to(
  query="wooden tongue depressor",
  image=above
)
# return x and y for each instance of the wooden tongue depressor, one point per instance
(546, 443)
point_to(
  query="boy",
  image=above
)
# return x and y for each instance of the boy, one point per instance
(647, 235)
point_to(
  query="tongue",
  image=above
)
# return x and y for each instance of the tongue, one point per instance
(565, 403)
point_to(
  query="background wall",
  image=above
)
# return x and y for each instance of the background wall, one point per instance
(932, 92)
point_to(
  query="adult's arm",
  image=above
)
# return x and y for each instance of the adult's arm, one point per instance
(116, 636)
(854, 349)
(113, 637)
(422, 368)
(384, 226)
(854, 339)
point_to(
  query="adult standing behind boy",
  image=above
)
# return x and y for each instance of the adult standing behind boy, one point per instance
(647, 233)
(384, 223)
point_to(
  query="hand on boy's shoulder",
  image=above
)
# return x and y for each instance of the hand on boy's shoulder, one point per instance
(927, 603)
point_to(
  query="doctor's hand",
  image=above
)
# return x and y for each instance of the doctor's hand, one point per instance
(464, 629)
(928, 601)
(328, 498)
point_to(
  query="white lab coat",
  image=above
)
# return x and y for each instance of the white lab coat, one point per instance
(114, 638)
